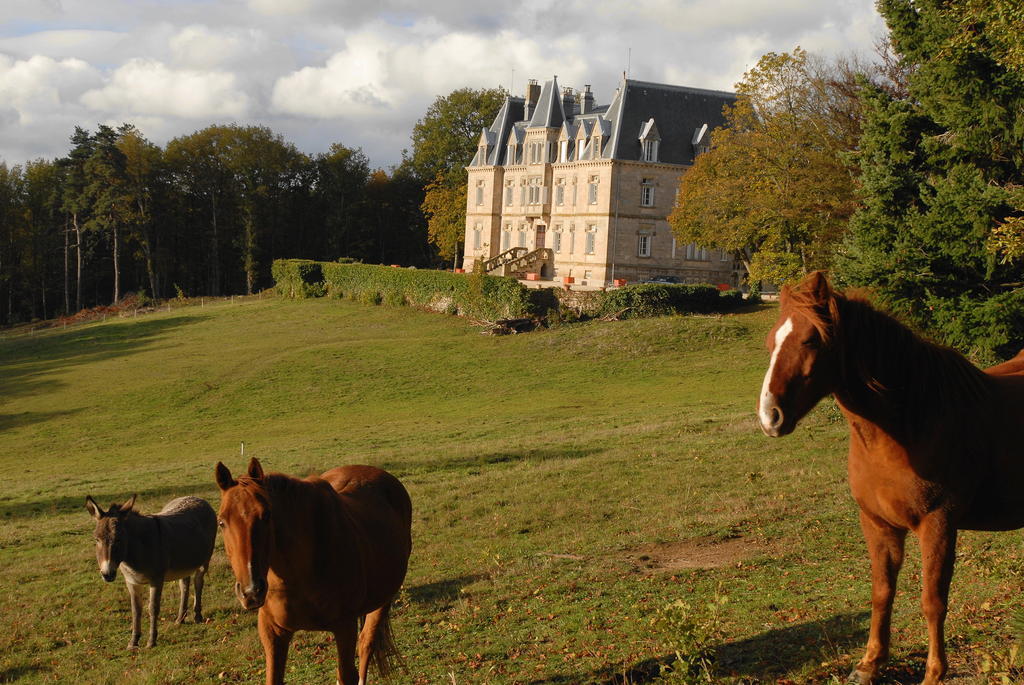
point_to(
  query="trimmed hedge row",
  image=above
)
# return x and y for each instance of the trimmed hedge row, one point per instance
(486, 297)
(474, 295)
(660, 299)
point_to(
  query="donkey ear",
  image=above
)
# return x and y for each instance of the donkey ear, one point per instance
(93, 508)
(129, 504)
(255, 469)
(224, 479)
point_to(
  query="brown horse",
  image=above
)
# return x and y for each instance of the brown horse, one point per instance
(936, 444)
(318, 554)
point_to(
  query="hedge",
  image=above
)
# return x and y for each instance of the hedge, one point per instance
(659, 299)
(474, 295)
(486, 297)
(298, 278)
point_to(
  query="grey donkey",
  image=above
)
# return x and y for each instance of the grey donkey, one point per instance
(175, 544)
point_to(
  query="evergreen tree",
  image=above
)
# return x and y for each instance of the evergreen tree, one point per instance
(942, 171)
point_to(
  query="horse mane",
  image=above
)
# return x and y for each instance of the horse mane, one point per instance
(282, 487)
(918, 380)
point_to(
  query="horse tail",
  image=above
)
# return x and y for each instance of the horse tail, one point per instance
(384, 653)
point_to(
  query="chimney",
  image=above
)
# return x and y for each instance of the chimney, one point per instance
(587, 101)
(532, 96)
(568, 101)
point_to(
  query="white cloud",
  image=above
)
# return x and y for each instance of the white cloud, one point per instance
(362, 73)
(149, 87)
(38, 86)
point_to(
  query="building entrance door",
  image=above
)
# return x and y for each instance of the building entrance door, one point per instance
(539, 242)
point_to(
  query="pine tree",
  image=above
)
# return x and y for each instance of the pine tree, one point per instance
(942, 170)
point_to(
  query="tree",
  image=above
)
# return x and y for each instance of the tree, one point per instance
(342, 174)
(943, 172)
(775, 190)
(142, 164)
(74, 197)
(443, 142)
(108, 194)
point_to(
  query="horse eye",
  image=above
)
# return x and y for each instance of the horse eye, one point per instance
(220, 523)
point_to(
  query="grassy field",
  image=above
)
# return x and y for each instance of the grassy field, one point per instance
(582, 496)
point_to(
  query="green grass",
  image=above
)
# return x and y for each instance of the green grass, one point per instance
(568, 486)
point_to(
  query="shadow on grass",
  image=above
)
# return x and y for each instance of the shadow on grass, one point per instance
(26, 358)
(150, 502)
(14, 673)
(26, 418)
(469, 461)
(762, 658)
(442, 592)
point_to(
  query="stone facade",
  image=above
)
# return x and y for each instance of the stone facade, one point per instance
(586, 190)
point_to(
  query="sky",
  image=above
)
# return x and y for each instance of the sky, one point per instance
(362, 72)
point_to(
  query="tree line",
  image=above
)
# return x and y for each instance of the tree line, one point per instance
(204, 215)
(905, 175)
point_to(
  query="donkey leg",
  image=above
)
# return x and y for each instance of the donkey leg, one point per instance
(135, 593)
(885, 547)
(938, 555)
(156, 591)
(199, 579)
(275, 642)
(183, 604)
(345, 642)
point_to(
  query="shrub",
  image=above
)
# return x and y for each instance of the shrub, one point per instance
(298, 278)
(659, 299)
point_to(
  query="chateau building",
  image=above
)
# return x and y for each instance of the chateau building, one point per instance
(561, 188)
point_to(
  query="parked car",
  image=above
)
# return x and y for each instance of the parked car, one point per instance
(662, 279)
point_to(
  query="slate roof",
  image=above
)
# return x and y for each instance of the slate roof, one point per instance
(678, 113)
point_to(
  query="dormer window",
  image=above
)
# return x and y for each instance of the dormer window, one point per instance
(481, 155)
(563, 151)
(649, 140)
(650, 151)
(510, 160)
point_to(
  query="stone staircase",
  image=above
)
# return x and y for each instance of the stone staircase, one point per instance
(517, 261)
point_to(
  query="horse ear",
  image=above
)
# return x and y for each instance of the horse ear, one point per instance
(817, 284)
(129, 504)
(255, 469)
(224, 479)
(93, 508)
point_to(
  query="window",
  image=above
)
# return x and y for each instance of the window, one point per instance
(592, 191)
(477, 237)
(479, 193)
(560, 194)
(506, 237)
(556, 242)
(673, 248)
(536, 188)
(563, 151)
(643, 247)
(572, 239)
(581, 148)
(590, 240)
(650, 151)
(574, 192)
(508, 194)
(697, 253)
(647, 193)
(522, 236)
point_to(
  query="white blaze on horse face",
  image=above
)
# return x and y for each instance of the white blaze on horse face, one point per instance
(780, 337)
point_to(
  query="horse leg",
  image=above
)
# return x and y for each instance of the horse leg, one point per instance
(156, 591)
(345, 641)
(275, 642)
(938, 555)
(183, 604)
(135, 597)
(885, 547)
(199, 579)
(370, 639)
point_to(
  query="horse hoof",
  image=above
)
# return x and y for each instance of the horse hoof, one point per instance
(133, 646)
(859, 677)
